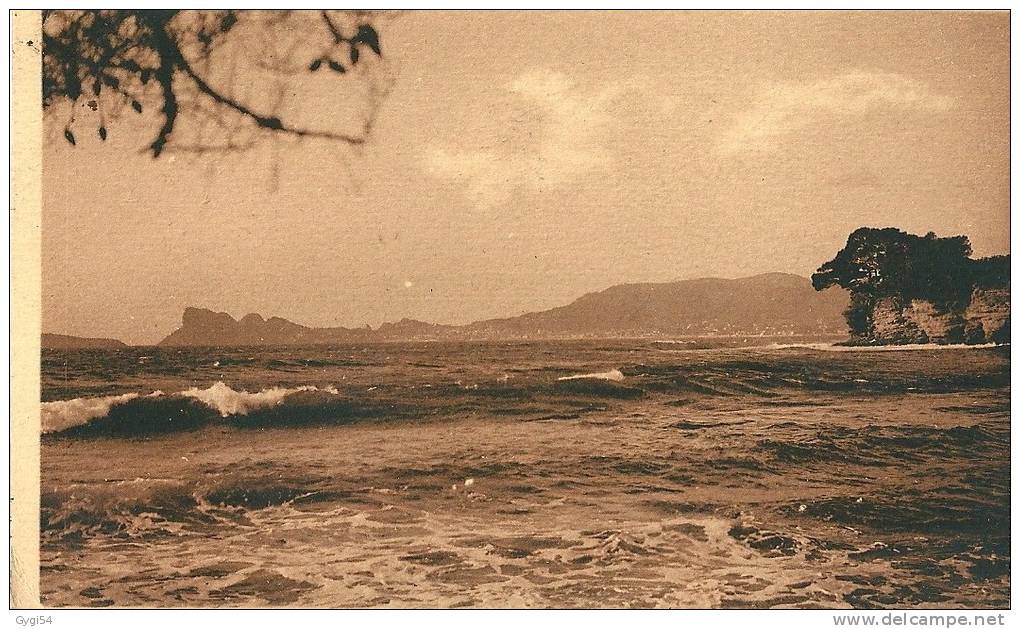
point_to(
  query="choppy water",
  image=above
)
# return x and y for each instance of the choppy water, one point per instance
(428, 475)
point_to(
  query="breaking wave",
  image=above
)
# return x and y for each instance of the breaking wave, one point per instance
(133, 413)
(155, 507)
(614, 375)
(229, 402)
(57, 416)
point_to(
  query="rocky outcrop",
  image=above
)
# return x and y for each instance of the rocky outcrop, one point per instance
(893, 322)
(987, 316)
(201, 327)
(908, 289)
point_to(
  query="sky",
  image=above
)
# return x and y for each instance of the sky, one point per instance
(521, 160)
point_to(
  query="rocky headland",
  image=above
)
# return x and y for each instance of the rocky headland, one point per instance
(909, 289)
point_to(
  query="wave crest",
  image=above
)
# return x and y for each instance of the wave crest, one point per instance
(614, 375)
(133, 413)
(229, 402)
(57, 416)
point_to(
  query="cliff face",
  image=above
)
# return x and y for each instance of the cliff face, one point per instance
(988, 316)
(984, 320)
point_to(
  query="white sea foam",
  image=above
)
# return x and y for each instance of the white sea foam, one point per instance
(613, 374)
(831, 347)
(64, 414)
(227, 401)
(828, 347)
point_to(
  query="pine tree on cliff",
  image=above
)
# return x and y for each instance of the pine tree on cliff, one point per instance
(890, 264)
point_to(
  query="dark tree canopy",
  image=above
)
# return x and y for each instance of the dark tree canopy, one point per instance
(892, 263)
(187, 63)
(990, 272)
(889, 263)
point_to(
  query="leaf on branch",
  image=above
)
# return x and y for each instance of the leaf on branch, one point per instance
(336, 67)
(228, 22)
(102, 133)
(270, 123)
(315, 65)
(69, 137)
(73, 87)
(136, 106)
(367, 35)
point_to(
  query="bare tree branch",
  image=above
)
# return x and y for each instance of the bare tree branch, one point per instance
(266, 122)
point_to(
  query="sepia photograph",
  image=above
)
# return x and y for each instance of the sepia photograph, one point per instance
(526, 309)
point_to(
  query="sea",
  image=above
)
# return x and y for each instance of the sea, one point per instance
(706, 473)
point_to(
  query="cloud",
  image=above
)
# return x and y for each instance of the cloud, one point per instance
(782, 108)
(571, 140)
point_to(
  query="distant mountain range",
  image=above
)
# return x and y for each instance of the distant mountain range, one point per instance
(773, 304)
(64, 341)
